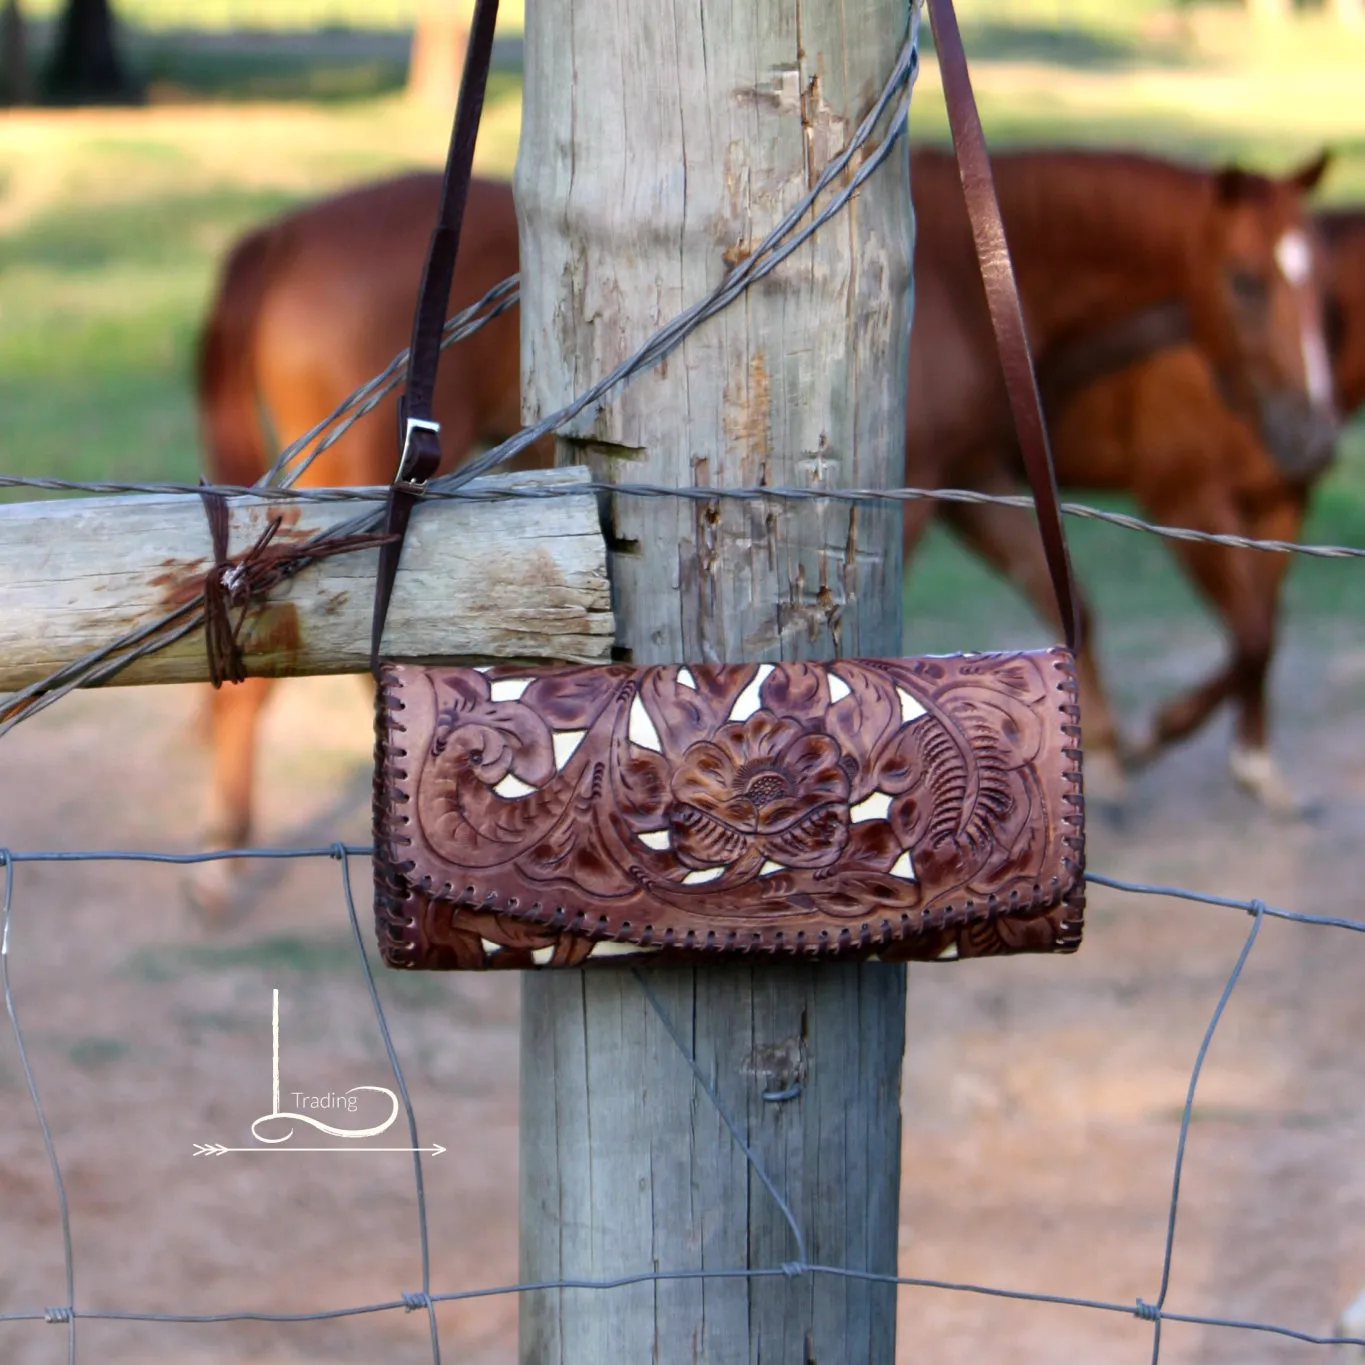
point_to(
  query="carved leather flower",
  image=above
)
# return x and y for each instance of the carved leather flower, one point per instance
(763, 789)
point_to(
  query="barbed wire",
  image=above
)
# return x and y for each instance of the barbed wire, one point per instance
(760, 493)
(68, 1313)
(295, 458)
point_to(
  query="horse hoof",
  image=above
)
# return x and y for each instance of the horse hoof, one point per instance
(1257, 773)
(210, 891)
(1352, 1324)
(1106, 784)
(1136, 753)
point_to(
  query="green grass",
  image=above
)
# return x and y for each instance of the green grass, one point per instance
(105, 278)
(274, 14)
(97, 321)
(95, 1054)
(307, 955)
(317, 50)
(169, 68)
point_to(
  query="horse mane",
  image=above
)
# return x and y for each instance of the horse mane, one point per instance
(1337, 224)
(1083, 203)
(1120, 219)
(1343, 232)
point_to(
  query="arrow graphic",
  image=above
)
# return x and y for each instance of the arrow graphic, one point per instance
(217, 1149)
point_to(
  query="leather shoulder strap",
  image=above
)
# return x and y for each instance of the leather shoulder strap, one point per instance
(419, 433)
(1002, 296)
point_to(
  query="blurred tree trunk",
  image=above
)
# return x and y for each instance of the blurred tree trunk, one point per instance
(438, 47)
(14, 83)
(85, 66)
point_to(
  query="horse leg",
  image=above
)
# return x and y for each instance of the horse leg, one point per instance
(199, 728)
(1010, 543)
(915, 517)
(1252, 765)
(1243, 587)
(234, 710)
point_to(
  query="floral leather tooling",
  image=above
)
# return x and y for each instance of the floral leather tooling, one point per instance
(903, 808)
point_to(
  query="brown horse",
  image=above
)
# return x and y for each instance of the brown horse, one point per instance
(1176, 321)
(1343, 236)
(311, 306)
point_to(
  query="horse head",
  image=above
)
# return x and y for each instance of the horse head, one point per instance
(1262, 312)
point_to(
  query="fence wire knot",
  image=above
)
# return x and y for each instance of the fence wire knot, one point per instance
(791, 1269)
(419, 1299)
(1255, 908)
(1148, 1312)
(57, 1316)
(236, 585)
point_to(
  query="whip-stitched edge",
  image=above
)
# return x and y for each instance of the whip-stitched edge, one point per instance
(1071, 928)
(392, 891)
(397, 895)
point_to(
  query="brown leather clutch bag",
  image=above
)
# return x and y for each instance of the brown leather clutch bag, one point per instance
(910, 808)
(902, 808)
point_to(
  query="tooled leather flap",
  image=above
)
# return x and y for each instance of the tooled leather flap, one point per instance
(752, 806)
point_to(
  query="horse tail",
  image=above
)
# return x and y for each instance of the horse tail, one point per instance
(230, 424)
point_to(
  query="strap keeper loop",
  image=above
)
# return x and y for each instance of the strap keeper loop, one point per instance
(403, 478)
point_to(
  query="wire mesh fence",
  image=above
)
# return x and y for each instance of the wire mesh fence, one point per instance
(67, 1313)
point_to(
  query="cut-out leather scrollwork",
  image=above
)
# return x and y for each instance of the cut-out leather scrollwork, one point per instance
(911, 808)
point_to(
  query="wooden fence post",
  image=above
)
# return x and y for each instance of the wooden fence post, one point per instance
(657, 146)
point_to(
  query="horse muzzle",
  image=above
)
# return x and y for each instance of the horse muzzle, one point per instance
(1299, 435)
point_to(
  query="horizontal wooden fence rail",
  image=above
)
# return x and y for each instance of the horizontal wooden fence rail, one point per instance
(522, 579)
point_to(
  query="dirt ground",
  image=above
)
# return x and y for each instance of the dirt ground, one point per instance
(1041, 1097)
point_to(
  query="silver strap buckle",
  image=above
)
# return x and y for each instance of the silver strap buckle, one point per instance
(402, 479)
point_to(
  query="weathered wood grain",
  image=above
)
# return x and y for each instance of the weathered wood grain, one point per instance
(523, 579)
(654, 154)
